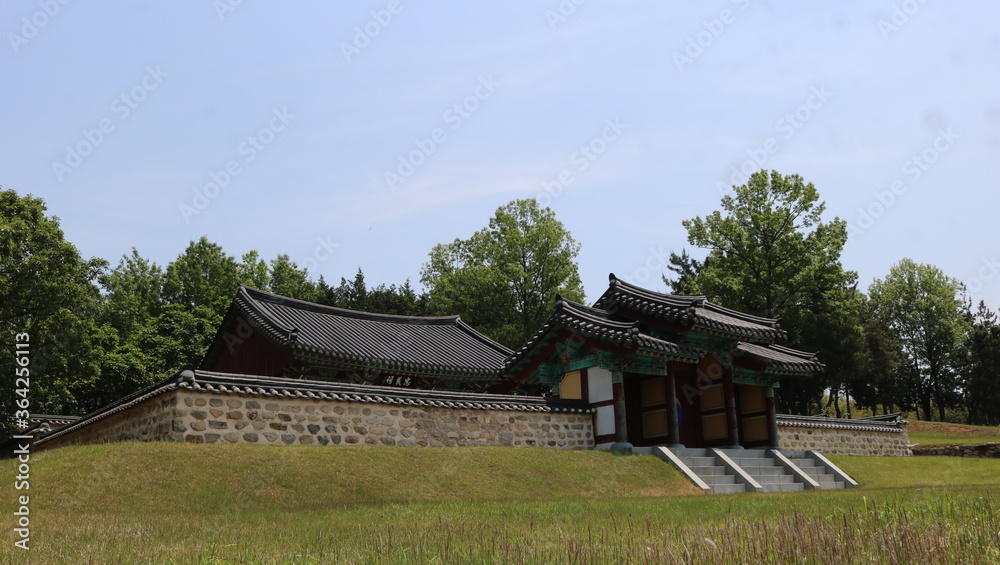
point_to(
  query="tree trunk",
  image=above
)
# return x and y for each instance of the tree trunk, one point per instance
(925, 404)
(834, 397)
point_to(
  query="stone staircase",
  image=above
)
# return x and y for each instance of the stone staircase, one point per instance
(723, 471)
(826, 479)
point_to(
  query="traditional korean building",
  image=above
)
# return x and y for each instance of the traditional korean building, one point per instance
(274, 336)
(638, 368)
(662, 369)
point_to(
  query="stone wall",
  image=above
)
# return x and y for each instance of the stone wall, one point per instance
(844, 442)
(983, 450)
(151, 420)
(203, 417)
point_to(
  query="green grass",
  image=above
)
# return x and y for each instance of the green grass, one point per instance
(943, 433)
(174, 503)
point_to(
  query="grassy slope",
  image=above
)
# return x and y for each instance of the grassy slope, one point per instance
(154, 502)
(230, 478)
(938, 433)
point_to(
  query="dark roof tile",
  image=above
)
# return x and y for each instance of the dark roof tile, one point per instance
(597, 324)
(781, 359)
(696, 310)
(439, 345)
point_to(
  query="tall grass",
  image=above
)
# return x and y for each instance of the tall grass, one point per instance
(193, 511)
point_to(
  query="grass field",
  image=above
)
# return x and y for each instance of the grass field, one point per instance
(176, 503)
(940, 433)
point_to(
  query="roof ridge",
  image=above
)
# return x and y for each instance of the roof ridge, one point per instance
(596, 314)
(709, 305)
(689, 300)
(257, 294)
(794, 352)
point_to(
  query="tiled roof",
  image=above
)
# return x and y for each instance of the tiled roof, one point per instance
(274, 387)
(322, 390)
(781, 359)
(689, 310)
(597, 324)
(891, 423)
(52, 419)
(443, 346)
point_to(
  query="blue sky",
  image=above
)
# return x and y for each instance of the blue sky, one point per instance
(363, 133)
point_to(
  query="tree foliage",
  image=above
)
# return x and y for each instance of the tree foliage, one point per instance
(925, 310)
(981, 382)
(768, 250)
(771, 254)
(47, 291)
(504, 279)
(356, 295)
(203, 275)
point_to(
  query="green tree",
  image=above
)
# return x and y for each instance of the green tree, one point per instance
(203, 275)
(981, 375)
(47, 291)
(770, 250)
(287, 279)
(879, 382)
(253, 271)
(925, 309)
(687, 269)
(133, 293)
(504, 279)
(770, 254)
(356, 295)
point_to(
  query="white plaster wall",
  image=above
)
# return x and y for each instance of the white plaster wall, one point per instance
(605, 420)
(599, 385)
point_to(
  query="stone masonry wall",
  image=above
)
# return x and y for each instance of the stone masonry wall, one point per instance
(200, 417)
(983, 450)
(151, 420)
(844, 442)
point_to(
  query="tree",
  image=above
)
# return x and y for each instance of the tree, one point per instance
(133, 293)
(504, 279)
(770, 250)
(770, 254)
(253, 271)
(287, 279)
(687, 269)
(48, 292)
(879, 379)
(356, 295)
(925, 309)
(981, 378)
(204, 275)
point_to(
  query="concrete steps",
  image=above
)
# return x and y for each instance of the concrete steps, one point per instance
(723, 471)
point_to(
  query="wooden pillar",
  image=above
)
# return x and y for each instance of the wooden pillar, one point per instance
(772, 418)
(730, 390)
(674, 425)
(621, 427)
